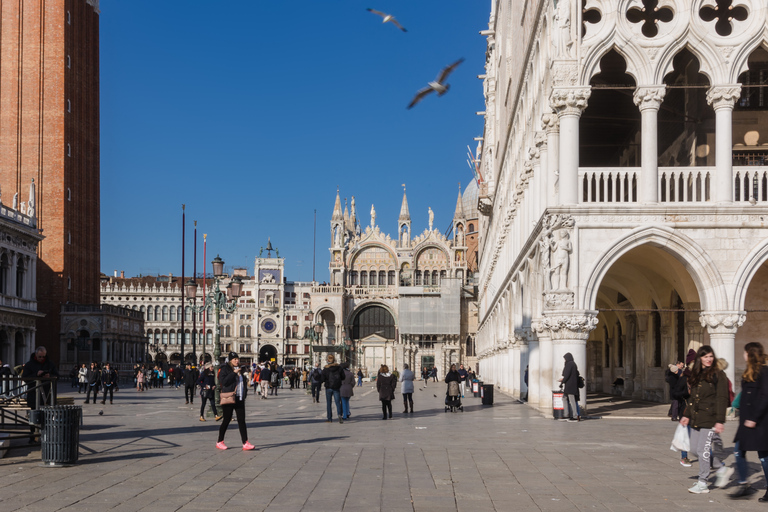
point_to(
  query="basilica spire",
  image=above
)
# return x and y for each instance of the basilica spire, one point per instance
(459, 213)
(337, 207)
(404, 214)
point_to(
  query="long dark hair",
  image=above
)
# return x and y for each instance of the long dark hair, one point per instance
(699, 373)
(755, 361)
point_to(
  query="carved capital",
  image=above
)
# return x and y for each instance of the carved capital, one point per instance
(649, 97)
(566, 325)
(569, 100)
(723, 96)
(722, 322)
(540, 140)
(550, 122)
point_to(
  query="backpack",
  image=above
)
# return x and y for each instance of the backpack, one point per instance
(581, 382)
(274, 378)
(334, 379)
(731, 394)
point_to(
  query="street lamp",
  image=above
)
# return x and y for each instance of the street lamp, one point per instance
(219, 300)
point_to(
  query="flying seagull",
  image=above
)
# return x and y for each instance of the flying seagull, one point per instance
(438, 85)
(387, 18)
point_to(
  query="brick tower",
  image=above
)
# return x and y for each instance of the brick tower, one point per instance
(49, 132)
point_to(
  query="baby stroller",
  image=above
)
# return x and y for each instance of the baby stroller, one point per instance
(453, 398)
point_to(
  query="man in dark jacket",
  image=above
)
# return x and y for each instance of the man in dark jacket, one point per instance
(38, 367)
(264, 378)
(190, 380)
(316, 379)
(108, 382)
(570, 382)
(333, 377)
(93, 376)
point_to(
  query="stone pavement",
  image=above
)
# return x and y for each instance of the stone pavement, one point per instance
(150, 452)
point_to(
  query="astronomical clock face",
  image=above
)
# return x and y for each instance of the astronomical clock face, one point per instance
(268, 325)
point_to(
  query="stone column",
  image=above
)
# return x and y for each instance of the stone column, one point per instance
(722, 327)
(545, 380)
(722, 99)
(648, 99)
(569, 330)
(542, 171)
(569, 102)
(552, 128)
(534, 362)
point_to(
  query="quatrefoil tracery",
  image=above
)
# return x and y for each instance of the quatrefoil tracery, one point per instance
(650, 15)
(591, 16)
(724, 11)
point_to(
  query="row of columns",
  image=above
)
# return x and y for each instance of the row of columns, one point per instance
(570, 102)
(560, 332)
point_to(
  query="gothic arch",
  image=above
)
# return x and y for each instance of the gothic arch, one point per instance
(370, 245)
(747, 270)
(428, 245)
(694, 259)
(710, 62)
(367, 303)
(742, 53)
(637, 63)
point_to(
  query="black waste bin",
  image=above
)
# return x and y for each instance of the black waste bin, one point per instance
(477, 386)
(558, 404)
(61, 435)
(487, 394)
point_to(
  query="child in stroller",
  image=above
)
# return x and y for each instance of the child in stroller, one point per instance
(453, 392)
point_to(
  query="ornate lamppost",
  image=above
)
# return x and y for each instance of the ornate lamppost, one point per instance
(314, 334)
(219, 300)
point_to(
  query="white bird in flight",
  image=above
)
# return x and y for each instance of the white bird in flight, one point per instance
(388, 18)
(438, 85)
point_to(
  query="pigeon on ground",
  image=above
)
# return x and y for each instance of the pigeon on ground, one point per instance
(438, 85)
(101, 413)
(435, 396)
(387, 18)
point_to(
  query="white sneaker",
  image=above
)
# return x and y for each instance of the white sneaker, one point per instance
(723, 476)
(699, 488)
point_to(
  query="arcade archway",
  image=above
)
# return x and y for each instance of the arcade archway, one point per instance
(267, 353)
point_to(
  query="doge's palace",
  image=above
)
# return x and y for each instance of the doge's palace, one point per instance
(623, 190)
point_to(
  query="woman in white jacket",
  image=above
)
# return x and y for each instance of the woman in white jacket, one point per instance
(82, 380)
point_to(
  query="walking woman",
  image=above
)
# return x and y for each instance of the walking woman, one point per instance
(406, 387)
(82, 378)
(385, 384)
(752, 434)
(140, 380)
(346, 391)
(232, 382)
(207, 383)
(705, 413)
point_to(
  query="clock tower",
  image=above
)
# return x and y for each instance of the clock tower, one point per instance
(270, 296)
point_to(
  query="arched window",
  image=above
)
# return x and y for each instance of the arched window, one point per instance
(391, 278)
(382, 278)
(242, 331)
(471, 228)
(173, 313)
(165, 337)
(187, 313)
(353, 278)
(143, 313)
(4, 274)
(434, 278)
(247, 331)
(418, 277)
(373, 320)
(200, 315)
(209, 312)
(209, 338)
(150, 314)
(363, 278)
(227, 331)
(288, 333)
(165, 313)
(20, 277)
(442, 275)
(157, 313)
(173, 337)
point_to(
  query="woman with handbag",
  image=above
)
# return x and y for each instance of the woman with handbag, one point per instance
(385, 385)
(207, 383)
(752, 434)
(233, 391)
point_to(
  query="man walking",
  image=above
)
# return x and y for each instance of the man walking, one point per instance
(463, 375)
(333, 377)
(316, 380)
(93, 376)
(190, 380)
(109, 382)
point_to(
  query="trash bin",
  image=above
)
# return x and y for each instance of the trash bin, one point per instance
(487, 394)
(558, 404)
(61, 435)
(477, 386)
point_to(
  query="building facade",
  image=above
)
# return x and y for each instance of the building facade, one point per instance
(395, 300)
(19, 239)
(623, 190)
(49, 133)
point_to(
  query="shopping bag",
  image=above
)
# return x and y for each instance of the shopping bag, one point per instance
(681, 441)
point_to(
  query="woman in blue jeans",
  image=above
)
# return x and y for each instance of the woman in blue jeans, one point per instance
(752, 434)
(347, 389)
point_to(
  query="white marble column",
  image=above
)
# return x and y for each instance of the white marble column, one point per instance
(648, 99)
(552, 127)
(533, 373)
(569, 330)
(722, 327)
(722, 98)
(569, 102)
(545, 371)
(542, 171)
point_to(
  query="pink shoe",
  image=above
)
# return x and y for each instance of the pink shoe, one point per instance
(221, 446)
(248, 446)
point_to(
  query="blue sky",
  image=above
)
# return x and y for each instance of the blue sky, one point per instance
(252, 112)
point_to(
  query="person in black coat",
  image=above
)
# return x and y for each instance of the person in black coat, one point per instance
(93, 377)
(190, 379)
(108, 382)
(570, 383)
(752, 434)
(207, 383)
(231, 380)
(38, 367)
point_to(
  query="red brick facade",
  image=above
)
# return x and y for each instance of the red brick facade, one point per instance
(49, 131)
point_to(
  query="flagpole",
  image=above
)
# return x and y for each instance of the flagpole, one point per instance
(183, 231)
(194, 300)
(314, 243)
(205, 293)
